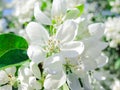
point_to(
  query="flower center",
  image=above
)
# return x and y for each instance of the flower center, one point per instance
(58, 19)
(12, 79)
(52, 47)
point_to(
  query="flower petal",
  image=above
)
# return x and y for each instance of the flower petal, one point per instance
(34, 83)
(6, 87)
(35, 70)
(53, 64)
(35, 54)
(67, 32)
(37, 33)
(89, 63)
(74, 45)
(93, 45)
(102, 60)
(11, 70)
(86, 81)
(54, 81)
(97, 29)
(73, 82)
(3, 77)
(58, 8)
(40, 16)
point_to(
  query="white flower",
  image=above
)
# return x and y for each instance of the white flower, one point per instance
(95, 45)
(112, 31)
(28, 77)
(24, 9)
(115, 6)
(116, 85)
(54, 49)
(43, 45)
(56, 76)
(7, 78)
(6, 87)
(57, 12)
(87, 61)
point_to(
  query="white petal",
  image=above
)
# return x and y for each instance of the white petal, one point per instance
(86, 81)
(102, 60)
(24, 73)
(69, 53)
(35, 53)
(40, 16)
(34, 83)
(93, 45)
(53, 64)
(97, 29)
(6, 87)
(3, 77)
(35, 70)
(100, 75)
(24, 86)
(73, 82)
(54, 81)
(11, 70)
(89, 64)
(67, 32)
(58, 8)
(37, 33)
(74, 46)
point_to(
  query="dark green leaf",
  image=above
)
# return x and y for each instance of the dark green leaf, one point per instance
(11, 41)
(13, 57)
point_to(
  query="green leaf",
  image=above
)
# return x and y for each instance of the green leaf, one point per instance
(117, 64)
(12, 50)
(43, 6)
(64, 87)
(80, 8)
(11, 41)
(13, 57)
(72, 14)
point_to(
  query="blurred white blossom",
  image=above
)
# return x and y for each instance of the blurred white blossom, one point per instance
(112, 31)
(116, 85)
(23, 9)
(115, 6)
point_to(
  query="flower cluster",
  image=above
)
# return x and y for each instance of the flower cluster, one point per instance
(115, 6)
(60, 56)
(112, 31)
(23, 9)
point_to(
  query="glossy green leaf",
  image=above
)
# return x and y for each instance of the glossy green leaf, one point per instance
(11, 41)
(12, 50)
(13, 58)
